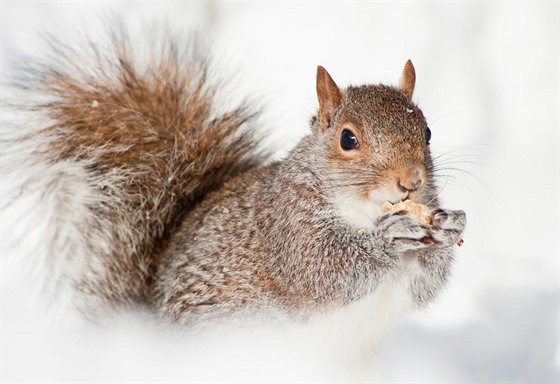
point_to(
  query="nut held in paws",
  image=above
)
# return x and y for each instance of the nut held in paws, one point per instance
(412, 208)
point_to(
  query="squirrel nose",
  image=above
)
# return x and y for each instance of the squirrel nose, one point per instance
(410, 181)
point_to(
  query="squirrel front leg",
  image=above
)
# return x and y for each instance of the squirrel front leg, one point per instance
(432, 247)
(326, 262)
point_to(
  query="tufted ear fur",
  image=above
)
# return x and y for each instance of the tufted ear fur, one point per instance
(329, 96)
(408, 80)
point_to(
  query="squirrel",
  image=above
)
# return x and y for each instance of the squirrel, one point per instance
(160, 200)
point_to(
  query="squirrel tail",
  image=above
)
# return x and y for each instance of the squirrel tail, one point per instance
(124, 146)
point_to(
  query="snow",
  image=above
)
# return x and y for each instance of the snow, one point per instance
(487, 80)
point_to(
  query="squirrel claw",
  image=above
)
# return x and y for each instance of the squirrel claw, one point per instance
(439, 217)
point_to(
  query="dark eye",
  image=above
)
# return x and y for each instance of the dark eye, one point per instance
(348, 140)
(428, 135)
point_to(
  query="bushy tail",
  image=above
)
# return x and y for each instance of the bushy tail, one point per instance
(124, 143)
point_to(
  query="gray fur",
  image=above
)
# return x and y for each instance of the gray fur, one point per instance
(182, 215)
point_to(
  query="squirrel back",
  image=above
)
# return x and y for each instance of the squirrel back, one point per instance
(124, 146)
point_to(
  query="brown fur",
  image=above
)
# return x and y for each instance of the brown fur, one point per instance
(188, 219)
(152, 126)
(273, 233)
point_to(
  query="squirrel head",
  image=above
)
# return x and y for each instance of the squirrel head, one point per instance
(374, 139)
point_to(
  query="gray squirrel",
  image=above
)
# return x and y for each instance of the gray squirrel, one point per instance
(161, 201)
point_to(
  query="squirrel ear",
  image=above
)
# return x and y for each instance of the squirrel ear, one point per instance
(329, 96)
(408, 80)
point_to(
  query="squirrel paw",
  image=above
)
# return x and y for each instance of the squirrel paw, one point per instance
(448, 226)
(403, 233)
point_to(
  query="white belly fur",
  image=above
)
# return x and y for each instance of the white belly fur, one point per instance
(354, 332)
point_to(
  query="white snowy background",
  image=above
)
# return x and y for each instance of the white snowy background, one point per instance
(487, 80)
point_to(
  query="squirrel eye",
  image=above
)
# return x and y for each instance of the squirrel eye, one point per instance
(348, 140)
(428, 135)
